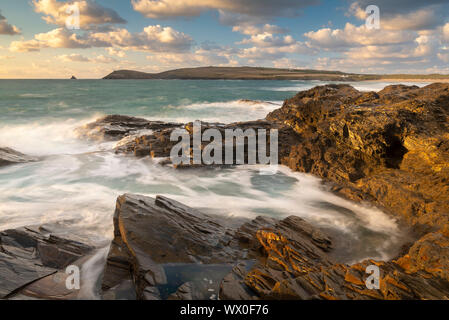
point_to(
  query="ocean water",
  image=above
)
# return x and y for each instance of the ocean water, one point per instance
(76, 183)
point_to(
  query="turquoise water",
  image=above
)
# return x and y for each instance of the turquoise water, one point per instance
(56, 99)
(76, 183)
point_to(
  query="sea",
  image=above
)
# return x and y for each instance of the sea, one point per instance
(75, 184)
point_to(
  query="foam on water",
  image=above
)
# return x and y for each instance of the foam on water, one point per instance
(46, 137)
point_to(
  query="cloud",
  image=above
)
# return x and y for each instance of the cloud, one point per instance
(353, 36)
(405, 14)
(104, 59)
(116, 52)
(91, 13)
(75, 57)
(57, 38)
(151, 39)
(249, 29)
(6, 28)
(158, 9)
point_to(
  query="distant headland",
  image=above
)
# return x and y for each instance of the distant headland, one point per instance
(255, 73)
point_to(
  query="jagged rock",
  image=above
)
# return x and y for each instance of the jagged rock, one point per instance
(9, 156)
(32, 259)
(158, 143)
(390, 147)
(116, 127)
(288, 273)
(150, 232)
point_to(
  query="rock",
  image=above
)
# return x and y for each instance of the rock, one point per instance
(9, 156)
(73, 78)
(33, 262)
(116, 127)
(152, 232)
(158, 144)
(390, 148)
(156, 240)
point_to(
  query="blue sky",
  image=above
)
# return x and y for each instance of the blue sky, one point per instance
(413, 36)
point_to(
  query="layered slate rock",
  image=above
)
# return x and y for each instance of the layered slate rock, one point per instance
(33, 262)
(267, 258)
(9, 156)
(152, 232)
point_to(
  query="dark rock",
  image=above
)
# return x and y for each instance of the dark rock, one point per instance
(32, 258)
(151, 232)
(287, 259)
(9, 156)
(116, 127)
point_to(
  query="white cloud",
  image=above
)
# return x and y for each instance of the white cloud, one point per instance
(91, 13)
(57, 38)
(352, 36)
(116, 52)
(75, 57)
(152, 39)
(250, 29)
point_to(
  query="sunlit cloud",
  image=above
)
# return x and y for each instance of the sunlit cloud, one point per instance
(7, 28)
(90, 13)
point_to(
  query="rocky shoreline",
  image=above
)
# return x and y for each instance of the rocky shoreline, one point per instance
(389, 148)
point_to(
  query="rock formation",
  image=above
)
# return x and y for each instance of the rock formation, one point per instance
(116, 127)
(390, 147)
(270, 259)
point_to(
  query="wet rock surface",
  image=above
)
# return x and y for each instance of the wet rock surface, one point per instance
(33, 262)
(157, 143)
(9, 156)
(116, 127)
(267, 258)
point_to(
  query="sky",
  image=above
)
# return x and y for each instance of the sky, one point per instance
(47, 39)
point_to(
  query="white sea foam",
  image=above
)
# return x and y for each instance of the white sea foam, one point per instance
(225, 112)
(46, 137)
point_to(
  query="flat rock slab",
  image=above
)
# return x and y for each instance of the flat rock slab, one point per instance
(28, 255)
